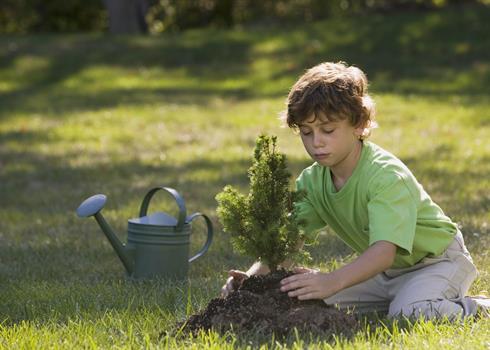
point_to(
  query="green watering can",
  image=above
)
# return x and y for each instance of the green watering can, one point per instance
(158, 244)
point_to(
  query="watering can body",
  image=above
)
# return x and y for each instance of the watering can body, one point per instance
(157, 244)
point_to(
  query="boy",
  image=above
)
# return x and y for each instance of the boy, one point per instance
(412, 258)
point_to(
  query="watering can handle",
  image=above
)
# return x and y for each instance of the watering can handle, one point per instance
(178, 199)
(210, 235)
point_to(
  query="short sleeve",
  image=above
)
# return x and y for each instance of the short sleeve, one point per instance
(307, 217)
(392, 214)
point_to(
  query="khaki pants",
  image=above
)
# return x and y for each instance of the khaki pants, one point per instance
(435, 287)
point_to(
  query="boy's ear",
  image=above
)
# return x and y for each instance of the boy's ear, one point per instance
(359, 131)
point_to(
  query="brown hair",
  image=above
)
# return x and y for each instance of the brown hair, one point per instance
(332, 90)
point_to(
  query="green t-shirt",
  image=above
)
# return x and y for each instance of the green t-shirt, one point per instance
(381, 200)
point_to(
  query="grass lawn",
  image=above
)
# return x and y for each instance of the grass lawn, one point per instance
(86, 114)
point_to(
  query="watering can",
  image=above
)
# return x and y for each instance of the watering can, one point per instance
(158, 244)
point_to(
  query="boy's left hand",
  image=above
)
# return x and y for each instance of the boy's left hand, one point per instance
(309, 284)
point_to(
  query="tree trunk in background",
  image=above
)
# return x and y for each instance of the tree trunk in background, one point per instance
(223, 12)
(127, 16)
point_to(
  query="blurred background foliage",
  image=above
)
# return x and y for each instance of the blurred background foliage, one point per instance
(156, 16)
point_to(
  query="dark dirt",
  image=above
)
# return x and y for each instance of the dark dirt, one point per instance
(259, 306)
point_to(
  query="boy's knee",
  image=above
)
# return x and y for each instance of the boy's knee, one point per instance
(427, 309)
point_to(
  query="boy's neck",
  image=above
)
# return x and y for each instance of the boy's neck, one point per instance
(343, 171)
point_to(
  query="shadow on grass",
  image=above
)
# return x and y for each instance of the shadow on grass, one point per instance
(40, 195)
(431, 54)
(211, 56)
(437, 170)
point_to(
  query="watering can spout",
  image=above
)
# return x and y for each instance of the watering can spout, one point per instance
(92, 207)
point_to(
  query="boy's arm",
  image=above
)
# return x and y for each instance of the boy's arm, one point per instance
(312, 284)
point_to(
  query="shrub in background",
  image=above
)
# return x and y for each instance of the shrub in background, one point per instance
(31, 16)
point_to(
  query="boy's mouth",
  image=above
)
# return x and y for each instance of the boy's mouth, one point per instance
(321, 155)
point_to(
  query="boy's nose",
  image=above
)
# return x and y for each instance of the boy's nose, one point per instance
(317, 141)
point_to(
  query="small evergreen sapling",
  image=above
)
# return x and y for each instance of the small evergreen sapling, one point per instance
(263, 224)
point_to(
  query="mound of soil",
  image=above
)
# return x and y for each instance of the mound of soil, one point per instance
(258, 305)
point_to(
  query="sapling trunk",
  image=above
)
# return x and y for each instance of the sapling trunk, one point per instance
(263, 223)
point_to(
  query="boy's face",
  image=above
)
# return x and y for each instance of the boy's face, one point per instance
(330, 143)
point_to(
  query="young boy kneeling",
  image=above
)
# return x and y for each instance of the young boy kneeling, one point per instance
(412, 258)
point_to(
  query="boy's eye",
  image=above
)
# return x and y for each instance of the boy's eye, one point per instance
(328, 131)
(305, 132)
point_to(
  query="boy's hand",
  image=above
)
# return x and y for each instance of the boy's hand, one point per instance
(309, 284)
(235, 279)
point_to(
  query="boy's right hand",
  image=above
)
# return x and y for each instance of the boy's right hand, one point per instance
(235, 280)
